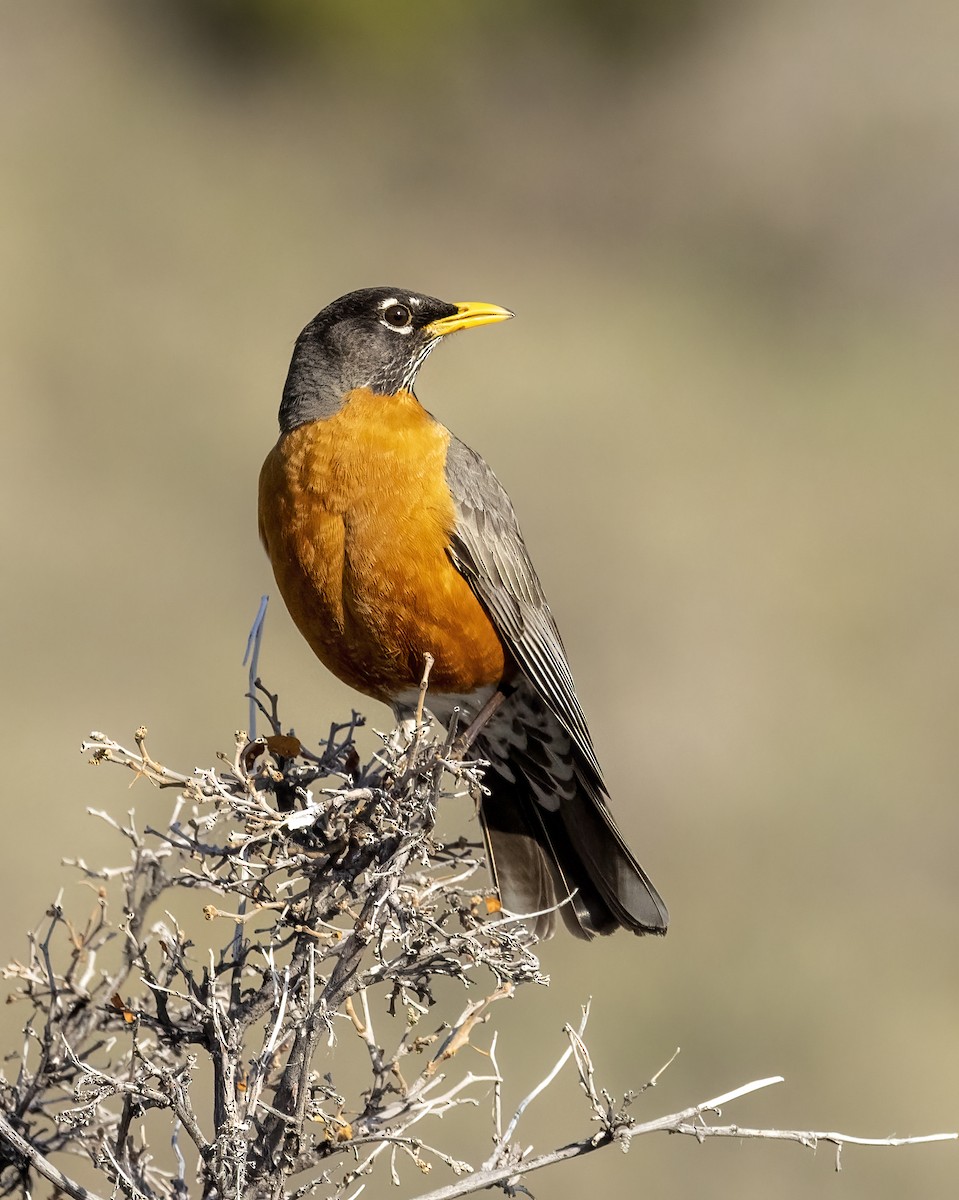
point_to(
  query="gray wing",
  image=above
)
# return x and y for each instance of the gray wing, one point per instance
(488, 550)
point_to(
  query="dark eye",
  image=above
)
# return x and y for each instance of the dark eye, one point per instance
(397, 315)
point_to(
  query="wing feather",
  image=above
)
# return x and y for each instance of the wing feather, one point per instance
(487, 548)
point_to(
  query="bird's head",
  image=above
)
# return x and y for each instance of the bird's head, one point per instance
(376, 338)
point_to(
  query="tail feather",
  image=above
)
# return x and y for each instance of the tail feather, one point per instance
(566, 850)
(599, 847)
(521, 871)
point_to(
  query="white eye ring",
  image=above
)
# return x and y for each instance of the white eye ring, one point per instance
(396, 316)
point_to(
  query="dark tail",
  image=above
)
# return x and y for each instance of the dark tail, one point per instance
(554, 841)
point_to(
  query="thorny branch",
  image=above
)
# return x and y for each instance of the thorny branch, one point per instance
(186, 1058)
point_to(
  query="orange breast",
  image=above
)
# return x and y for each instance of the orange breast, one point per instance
(356, 518)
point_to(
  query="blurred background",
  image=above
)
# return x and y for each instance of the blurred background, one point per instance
(726, 413)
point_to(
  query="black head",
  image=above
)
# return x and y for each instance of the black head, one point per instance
(376, 338)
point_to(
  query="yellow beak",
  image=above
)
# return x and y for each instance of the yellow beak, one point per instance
(466, 317)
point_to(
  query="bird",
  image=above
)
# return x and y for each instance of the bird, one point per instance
(390, 540)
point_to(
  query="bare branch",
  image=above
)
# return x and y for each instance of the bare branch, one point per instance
(329, 911)
(689, 1121)
(41, 1165)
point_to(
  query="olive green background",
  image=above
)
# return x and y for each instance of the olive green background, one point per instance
(726, 413)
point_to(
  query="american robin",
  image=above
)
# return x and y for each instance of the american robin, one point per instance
(390, 539)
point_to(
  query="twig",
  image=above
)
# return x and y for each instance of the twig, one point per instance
(424, 684)
(41, 1165)
(342, 907)
(688, 1121)
(540, 1087)
(252, 656)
